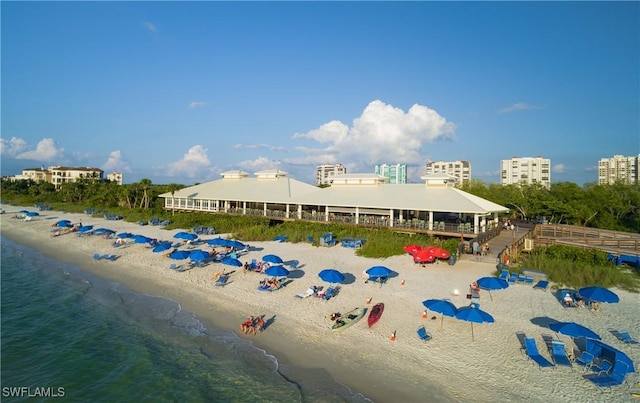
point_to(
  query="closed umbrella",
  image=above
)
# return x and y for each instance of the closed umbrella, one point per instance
(473, 315)
(272, 259)
(574, 330)
(331, 276)
(441, 306)
(492, 283)
(599, 294)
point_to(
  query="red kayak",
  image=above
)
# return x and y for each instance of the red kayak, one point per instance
(375, 314)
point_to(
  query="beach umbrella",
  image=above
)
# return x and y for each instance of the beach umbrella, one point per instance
(85, 228)
(424, 256)
(331, 276)
(599, 294)
(473, 315)
(573, 329)
(272, 259)
(276, 271)
(179, 254)
(63, 223)
(232, 243)
(187, 236)
(412, 249)
(106, 231)
(161, 247)
(32, 214)
(441, 306)
(229, 261)
(438, 252)
(217, 242)
(492, 283)
(378, 271)
(141, 239)
(198, 255)
(125, 235)
(24, 211)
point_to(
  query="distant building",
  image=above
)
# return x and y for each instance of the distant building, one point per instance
(115, 177)
(618, 169)
(58, 175)
(393, 173)
(326, 172)
(525, 171)
(461, 170)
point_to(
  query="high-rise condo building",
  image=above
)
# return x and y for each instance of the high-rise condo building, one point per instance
(526, 171)
(326, 172)
(393, 173)
(461, 170)
(618, 169)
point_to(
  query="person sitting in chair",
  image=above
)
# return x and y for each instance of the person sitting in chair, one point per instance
(568, 300)
(246, 325)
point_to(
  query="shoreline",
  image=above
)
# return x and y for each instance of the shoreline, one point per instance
(450, 367)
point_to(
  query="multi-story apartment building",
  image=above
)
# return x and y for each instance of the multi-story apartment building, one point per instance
(58, 175)
(526, 171)
(461, 170)
(393, 173)
(115, 177)
(618, 169)
(326, 172)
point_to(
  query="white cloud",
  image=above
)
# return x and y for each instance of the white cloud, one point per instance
(197, 104)
(559, 169)
(12, 147)
(258, 146)
(150, 26)
(191, 164)
(115, 162)
(46, 150)
(520, 106)
(382, 134)
(259, 164)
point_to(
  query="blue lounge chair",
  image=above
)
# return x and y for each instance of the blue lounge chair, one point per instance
(531, 349)
(504, 275)
(602, 368)
(615, 378)
(97, 256)
(626, 338)
(423, 334)
(541, 285)
(513, 278)
(586, 359)
(222, 280)
(528, 280)
(522, 278)
(559, 354)
(328, 294)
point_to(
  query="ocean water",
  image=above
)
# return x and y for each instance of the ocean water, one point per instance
(67, 333)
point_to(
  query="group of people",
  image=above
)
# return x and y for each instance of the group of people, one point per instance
(579, 302)
(252, 325)
(271, 282)
(259, 267)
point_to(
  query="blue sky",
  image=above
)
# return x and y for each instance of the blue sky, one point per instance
(180, 92)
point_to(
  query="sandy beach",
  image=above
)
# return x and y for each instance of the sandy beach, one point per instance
(449, 367)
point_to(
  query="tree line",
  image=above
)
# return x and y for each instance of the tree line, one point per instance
(613, 207)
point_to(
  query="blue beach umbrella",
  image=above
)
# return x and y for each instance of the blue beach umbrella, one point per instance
(272, 259)
(63, 223)
(277, 271)
(105, 231)
(141, 239)
(492, 283)
(198, 255)
(161, 247)
(378, 271)
(229, 261)
(331, 276)
(32, 214)
(574, 330)
(232, 243)
(125, 235)
(473, 315)
(85, 228)
(187, 236)
(599, 294)
(179, 254)
(441, 306)
(217, 242)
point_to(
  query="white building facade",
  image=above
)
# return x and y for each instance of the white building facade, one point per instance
(526, 171)
(393, 173)
(326, 172)
(619, 169)
(461, 170)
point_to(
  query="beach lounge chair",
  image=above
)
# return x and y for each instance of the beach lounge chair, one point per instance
(541, 285)
(602, 368)
(222, 280)
(531, 349)
(504, 275)
(175, 266)
(423, 334)
(513, 278)
(559, 354)
(328, 294)
(615, 378)
(522, 278)
(309, 292)
(528, 280)
(626, 338)
(586, 359)
(97, 256)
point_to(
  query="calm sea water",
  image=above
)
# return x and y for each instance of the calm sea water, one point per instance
(68, 333)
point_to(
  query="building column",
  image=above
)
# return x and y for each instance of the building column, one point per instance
(430, 220)
(357, 215)
(244, 208)
(476, 223)
(391, 217)
(264, 209)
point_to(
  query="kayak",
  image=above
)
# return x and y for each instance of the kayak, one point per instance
(375, 314)
(348, 319)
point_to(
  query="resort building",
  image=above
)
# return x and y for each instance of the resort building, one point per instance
(526, 171)
(435, 206)
(618, 169)
(326, 172)
(115, 177)
(461, 170)
(393, 173)
(58, 175)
